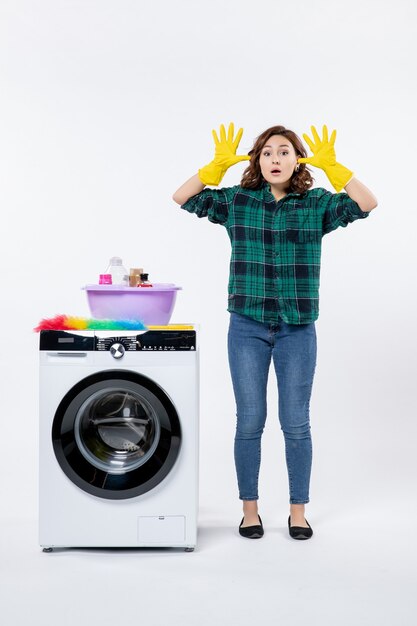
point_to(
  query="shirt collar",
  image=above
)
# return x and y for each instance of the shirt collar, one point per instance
(268, 193)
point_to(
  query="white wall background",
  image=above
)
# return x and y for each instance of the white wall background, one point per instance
(107, 107)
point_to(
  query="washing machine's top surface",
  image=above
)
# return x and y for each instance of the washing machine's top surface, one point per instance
(158, 339)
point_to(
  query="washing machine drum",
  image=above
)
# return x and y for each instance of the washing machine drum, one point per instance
(116, 434)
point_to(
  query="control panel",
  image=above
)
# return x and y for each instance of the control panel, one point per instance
(148, 341)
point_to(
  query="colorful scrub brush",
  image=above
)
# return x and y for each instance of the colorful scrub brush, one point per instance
(69, 322)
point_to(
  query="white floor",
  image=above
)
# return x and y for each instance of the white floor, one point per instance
(359, 568)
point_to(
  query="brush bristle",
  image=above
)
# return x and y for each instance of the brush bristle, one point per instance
(70, 322)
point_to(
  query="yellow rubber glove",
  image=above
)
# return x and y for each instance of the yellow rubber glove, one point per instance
(224, 156)
(324, 156)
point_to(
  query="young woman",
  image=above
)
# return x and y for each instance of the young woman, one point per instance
(275, 222)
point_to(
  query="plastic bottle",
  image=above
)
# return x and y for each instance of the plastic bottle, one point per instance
(134, 276)
(104, 279)
(144, 281)
(117, 270)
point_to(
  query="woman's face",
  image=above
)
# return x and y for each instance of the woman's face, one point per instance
(277, 160)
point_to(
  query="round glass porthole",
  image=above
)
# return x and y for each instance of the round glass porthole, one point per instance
(116, 434)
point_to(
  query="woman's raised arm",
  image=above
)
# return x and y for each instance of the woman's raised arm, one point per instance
(190, 188)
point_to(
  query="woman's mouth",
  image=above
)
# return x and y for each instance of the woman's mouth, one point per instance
(276, 171)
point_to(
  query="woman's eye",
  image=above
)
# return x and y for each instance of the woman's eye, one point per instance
(268, 153)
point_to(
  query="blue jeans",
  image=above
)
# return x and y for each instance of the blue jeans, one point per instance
(293, 348)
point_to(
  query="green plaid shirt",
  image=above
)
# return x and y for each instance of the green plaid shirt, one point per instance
(276, 246)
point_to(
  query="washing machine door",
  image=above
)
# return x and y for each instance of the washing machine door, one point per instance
(116, 434)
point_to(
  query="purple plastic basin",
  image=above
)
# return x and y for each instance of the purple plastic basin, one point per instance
(153, 305)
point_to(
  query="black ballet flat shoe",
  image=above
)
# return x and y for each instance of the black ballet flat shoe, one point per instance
(252, 532)
(298, 532)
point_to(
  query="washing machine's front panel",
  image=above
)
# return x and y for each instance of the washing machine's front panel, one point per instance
(118, 463)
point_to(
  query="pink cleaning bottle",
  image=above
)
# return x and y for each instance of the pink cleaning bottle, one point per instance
(104, 279)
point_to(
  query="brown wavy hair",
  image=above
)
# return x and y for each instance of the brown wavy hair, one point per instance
(252, 177)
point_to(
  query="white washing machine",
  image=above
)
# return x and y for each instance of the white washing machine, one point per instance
(119, 438)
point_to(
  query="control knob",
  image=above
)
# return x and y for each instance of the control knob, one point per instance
(117, 350)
